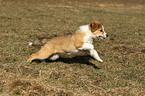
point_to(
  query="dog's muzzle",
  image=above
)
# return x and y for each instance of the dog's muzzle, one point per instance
(102, 37)
(107, 35)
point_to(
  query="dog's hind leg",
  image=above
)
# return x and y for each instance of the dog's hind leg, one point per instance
(54, 57)
(43, 53)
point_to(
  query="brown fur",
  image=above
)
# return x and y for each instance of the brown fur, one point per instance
(94, 26)
(61, 44)
(69, 43)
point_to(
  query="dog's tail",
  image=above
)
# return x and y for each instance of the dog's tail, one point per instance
(38, 42)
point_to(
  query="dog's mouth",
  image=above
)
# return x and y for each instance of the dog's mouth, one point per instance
(101, 37)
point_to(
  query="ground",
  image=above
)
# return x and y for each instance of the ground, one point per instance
(123, 52)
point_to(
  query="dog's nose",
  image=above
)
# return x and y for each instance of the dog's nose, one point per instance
(107, 35)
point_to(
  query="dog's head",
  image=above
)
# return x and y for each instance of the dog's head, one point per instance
(98, 30)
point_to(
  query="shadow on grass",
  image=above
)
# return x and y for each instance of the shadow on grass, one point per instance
(76, 59)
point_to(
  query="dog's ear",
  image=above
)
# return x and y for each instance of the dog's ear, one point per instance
(94, 26)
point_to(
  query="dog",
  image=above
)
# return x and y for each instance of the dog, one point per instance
(82, 39)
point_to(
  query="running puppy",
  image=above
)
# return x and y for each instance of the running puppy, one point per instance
(82, 39)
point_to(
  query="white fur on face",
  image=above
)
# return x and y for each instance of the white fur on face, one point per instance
(105, 34)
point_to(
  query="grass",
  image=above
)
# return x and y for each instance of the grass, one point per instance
(121, 73)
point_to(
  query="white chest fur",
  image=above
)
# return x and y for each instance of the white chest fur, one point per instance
(88, 39)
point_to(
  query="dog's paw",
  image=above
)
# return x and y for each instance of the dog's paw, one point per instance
(54, 57)
(100, 60)
(30, 44)
(68, 53)
(29, 60)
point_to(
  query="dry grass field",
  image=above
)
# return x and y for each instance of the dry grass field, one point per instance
(121, 74)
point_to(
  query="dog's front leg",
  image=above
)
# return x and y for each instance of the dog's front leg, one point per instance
(93, 52)
(95, 55)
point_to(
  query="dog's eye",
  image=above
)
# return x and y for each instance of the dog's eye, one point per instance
(101, 30)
